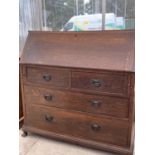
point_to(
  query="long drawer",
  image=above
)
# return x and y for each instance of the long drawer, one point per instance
(112, 106)
(79, 125)
(110, 83)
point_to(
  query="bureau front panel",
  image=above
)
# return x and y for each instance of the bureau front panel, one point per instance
(78, 125)
(112, 106)
(48, 76)
(106, 82)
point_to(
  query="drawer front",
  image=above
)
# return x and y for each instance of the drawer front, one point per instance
(98, 129)
(112, 106)
(105, 82)
(53, 76)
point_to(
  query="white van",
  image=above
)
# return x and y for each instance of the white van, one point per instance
(93, 22)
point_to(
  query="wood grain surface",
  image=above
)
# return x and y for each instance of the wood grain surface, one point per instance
(97, 104)
(79, 87)
(76, 124)
(110, 50)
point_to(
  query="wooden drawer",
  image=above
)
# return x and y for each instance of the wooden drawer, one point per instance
(112, 106)
(105, 82)
(48, 76)
(78, 125)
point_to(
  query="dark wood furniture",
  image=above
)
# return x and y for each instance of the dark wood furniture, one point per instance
(21, 117)
(79, 87)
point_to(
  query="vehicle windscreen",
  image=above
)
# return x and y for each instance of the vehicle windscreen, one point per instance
(68, 26)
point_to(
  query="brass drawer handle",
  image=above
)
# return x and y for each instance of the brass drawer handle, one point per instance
(95, 127)
(96, 82)
(48, 97)
(95, 103)
(47, 77)
(49, 118)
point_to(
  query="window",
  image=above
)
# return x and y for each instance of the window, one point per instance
(75, 15)
(68, 27)
(88, 15)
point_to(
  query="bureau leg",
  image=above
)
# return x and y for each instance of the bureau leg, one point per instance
(24, 134)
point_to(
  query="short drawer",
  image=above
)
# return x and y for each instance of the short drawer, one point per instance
(79, 125)
(105, 82)
(97, 104)
(48, 76)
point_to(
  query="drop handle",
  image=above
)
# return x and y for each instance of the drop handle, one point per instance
(95, 127)
(47, 77)
(96, 82)
(95, 103)
(48, 97)
(49, 118)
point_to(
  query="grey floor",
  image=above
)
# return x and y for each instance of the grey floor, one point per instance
(38, 145)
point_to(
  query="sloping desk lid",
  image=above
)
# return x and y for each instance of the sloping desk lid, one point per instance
(109, 50)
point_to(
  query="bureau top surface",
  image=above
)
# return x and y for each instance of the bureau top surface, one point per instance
(107, 50)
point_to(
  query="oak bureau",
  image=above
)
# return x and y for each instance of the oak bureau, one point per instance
(78, 87)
